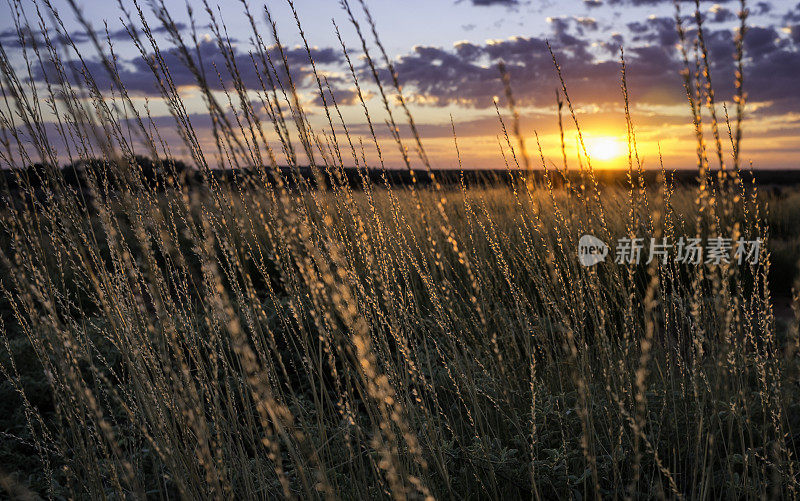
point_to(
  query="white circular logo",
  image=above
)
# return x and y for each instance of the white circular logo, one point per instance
(591, 250)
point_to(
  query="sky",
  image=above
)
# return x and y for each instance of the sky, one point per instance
(446, 53)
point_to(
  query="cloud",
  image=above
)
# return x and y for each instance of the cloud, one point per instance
(467, 73)
(489, 3)
(343, 97)
(794, 33)
(793, 15)
(563, 25)
(762, 8)
(137, 77)
(655, 2)
(660, 30)
(122, 35)
(11, 38)
(774, 67)
(543, 121)
(612, 46)
(587, 22)
(720, 14)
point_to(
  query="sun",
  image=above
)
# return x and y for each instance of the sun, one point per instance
(604, 148)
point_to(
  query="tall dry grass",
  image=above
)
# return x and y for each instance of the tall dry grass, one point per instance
(260, 337)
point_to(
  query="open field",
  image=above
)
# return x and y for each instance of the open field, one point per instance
(502, 367)
(238, 325)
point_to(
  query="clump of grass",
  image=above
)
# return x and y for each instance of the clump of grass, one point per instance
(264, 335)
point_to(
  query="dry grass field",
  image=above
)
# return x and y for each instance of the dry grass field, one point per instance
(259, 336)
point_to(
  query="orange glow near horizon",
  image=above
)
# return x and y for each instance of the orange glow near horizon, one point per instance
(605, 148)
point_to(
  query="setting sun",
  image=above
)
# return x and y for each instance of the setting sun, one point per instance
(604, 148)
